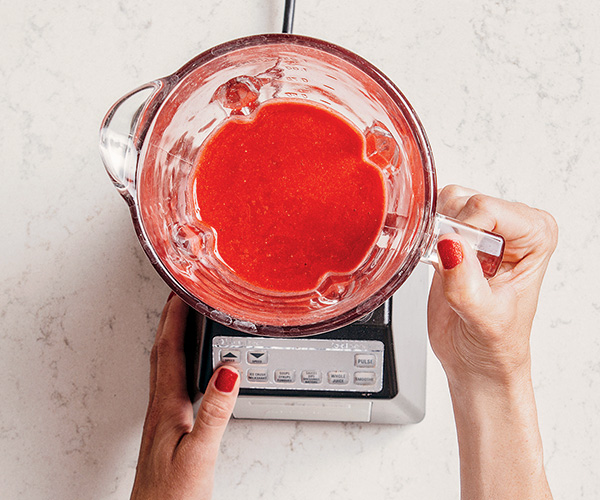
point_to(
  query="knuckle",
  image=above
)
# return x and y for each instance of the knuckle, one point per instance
(449, 192)
(451, 199)
(545, 227)
(213, 413)
(478, 203)
(550, 227)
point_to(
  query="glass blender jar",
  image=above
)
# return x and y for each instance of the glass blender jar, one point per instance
(150, 142)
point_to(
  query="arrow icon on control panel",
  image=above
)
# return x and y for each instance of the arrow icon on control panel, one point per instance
(257, 355)
(230, 355)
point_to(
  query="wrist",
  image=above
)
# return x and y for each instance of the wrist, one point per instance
(497, 369)
(494, 404)
(499, 441)
(505, 381)
(494, 401)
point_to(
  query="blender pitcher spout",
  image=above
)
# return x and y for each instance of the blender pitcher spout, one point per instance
(122, 134)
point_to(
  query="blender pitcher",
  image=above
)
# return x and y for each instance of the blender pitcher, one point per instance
(151, 138)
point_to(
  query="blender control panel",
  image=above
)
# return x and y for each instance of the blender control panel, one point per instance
(303, 364)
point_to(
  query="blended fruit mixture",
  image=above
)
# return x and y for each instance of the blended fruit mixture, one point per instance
(290, 195)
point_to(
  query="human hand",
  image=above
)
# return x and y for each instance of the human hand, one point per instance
(177, 454)
(478, 328)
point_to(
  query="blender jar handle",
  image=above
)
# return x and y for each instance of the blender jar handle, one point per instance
(488, 246)
(120, 140)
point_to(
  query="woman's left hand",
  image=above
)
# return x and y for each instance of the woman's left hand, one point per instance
(178, 455)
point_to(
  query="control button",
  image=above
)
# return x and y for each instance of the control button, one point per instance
(257, 375)
(337, 378)
(231, 356)
(365, 378)
(285, 376)
(311, 377)
(258, 357)
(364, 360)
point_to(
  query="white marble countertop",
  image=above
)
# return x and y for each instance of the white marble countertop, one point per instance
(508, 92)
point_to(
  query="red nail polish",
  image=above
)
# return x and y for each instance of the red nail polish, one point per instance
(226, 380)
(450, 253)
(171, 295)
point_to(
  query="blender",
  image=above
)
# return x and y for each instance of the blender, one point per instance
(346, 350)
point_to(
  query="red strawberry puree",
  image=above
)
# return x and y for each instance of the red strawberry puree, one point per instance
(289, 194)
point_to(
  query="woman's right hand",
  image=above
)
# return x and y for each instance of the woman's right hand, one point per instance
(480, 328)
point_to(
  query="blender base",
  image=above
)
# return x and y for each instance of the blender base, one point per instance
(371, 371)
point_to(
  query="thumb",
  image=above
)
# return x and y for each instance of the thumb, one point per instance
(465, 288)
(216, 408)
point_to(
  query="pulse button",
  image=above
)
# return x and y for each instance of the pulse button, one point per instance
(364, 360)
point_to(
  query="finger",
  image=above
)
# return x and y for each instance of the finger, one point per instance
(465, 288)
(171, 408)
(452, 198)
(153, 353)
(151, 414)
(170, 355)
(525, 229)
(215, 410)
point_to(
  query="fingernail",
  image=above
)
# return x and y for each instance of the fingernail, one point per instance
(226, 380)
(171, 295)
(450, 253)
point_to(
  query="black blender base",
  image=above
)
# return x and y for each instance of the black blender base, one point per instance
(376, 325)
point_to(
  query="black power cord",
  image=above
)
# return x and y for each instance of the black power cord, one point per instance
(288, 16)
